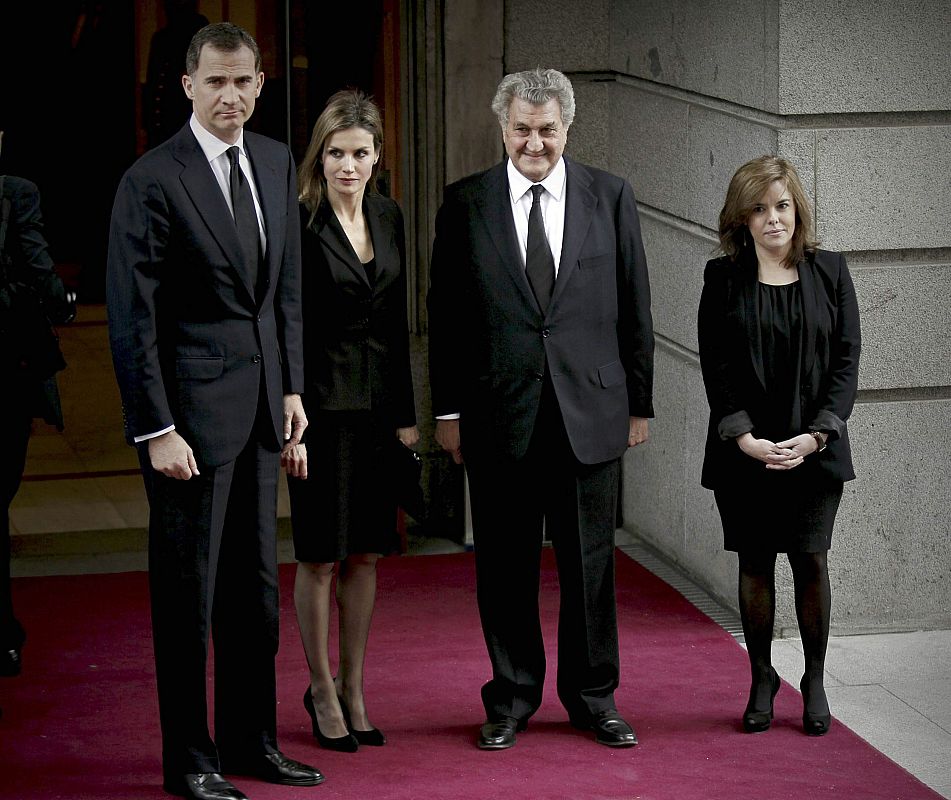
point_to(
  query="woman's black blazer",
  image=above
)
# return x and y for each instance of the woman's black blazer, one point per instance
(356, 341)
(731, 359)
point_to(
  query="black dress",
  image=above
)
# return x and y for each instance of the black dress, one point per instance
(779, 511)
(348, 503)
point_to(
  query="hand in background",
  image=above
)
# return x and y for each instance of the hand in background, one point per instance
(447, 437)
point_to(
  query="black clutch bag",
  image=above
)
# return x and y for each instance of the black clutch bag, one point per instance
(404, 471)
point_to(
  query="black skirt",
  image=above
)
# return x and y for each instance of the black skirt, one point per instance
(779, 512)
(347, 504)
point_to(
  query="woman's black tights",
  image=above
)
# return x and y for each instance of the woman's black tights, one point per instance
(757, 598)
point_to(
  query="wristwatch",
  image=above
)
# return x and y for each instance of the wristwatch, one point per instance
(820, 442)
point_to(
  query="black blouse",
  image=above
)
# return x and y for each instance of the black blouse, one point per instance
(780, 323)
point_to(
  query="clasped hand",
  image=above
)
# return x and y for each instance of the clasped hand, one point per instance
(788, 454)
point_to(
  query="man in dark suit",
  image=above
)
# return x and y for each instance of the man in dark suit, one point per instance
(541, 364)
(205, 326)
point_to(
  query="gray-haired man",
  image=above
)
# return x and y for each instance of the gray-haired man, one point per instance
(541, 365)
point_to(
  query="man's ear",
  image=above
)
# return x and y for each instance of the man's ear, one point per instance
(187, 86)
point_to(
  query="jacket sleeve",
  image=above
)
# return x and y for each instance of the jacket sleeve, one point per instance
(138, 240)
(726, 406)
(635, 325)
(445, 350)
(840, 383)
(287, 301)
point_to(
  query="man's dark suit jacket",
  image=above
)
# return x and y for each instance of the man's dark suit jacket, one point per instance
(490, 343)
(189, 335)
(731, 359)
(356, 350)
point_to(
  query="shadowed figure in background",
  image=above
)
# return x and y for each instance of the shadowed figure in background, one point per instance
(165, 107)
(32, 298)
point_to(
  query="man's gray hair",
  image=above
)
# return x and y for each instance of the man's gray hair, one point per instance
(536, 86)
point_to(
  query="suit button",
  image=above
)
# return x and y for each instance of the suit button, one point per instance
(256, 358)
(538, 376)
(546, 333)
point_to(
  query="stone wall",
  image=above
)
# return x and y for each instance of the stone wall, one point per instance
(674, 95)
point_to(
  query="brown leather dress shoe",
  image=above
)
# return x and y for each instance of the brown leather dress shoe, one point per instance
(203, 786)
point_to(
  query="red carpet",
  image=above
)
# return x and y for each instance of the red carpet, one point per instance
(81, 722)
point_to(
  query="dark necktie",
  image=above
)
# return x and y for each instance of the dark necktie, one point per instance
(245, 217)
(539, 264)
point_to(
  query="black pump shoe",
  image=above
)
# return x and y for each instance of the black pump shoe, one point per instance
(342, 744)
(371, 738)
(755, 721)
(813, 724)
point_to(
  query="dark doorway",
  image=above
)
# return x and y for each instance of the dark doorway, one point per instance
(68, 108)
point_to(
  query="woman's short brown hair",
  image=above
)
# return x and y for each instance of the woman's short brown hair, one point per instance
(747, 187)
(349, 108)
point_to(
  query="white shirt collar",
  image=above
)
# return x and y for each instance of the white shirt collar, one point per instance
(554, 184)
(211, 145)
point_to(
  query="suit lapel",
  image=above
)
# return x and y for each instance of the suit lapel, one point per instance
(580, 204)
(384, 244)
(345, 267)
(210, 205)
(494, 204)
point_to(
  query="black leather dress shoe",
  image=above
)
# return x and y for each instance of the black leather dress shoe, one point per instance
(11, 656)
(499, 734)
(609, 728)
(276, 768)
(11, 662)
(203, 786)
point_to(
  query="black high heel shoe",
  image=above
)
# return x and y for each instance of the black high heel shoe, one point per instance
(372, 738)
(342, 744)
(813, 724)
(755, 721)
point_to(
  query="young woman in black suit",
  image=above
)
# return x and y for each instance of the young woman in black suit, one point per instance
(359, 401)
(779, 339)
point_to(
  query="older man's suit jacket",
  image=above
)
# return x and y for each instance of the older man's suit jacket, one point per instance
(190, 334)
(490, 344)
(731, 359)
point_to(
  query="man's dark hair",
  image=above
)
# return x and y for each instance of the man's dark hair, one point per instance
(224, 36)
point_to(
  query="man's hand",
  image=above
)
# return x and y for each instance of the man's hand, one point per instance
(638, 431)
(294, 460)
(447, 437)
(171, 455)
(295, 420)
